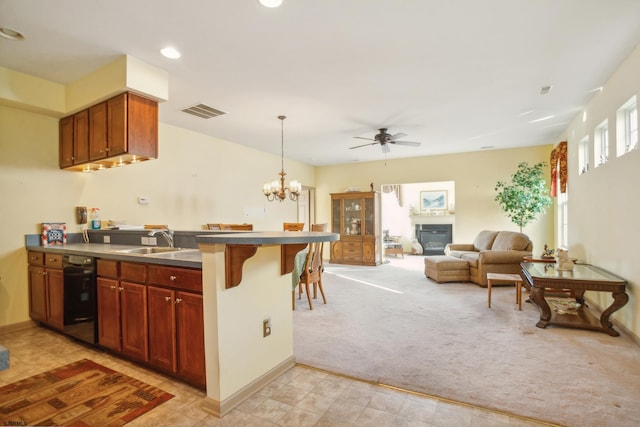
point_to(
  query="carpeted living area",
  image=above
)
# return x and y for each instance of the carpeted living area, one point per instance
(389, 324)
(83, 393)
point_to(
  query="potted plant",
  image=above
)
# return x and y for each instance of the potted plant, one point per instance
(525, 196)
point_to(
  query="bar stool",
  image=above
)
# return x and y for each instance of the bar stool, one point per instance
(508, 278)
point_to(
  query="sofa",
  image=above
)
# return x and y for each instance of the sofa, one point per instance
(492, 252)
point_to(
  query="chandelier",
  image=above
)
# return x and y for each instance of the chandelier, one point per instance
(276, 190)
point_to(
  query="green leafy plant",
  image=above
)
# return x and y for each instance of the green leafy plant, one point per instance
(525, 196)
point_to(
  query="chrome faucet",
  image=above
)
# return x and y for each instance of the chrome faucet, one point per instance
(167, 234)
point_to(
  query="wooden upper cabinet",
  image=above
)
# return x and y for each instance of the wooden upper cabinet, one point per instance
(98, 132)
(121, 130)
(81, 137)
(133, 126)
(66, 142)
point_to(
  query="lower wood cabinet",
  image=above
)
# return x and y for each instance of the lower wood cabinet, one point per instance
(122, 310)
(176, 323)
(46, 289)
(154, 314)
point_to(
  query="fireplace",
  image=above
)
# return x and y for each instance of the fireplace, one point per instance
(433, 237)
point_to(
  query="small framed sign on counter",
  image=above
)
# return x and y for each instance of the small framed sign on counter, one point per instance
(54, 233)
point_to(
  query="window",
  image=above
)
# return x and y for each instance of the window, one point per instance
(583, 156)
(601, 144)
(563, 223)
(627, 127)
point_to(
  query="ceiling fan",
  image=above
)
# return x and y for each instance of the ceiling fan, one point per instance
(384, 139)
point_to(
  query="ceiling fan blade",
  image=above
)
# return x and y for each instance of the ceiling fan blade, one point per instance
(385, 148)
(361, 137)
(409, 143)
(363, 145)
(397, 136)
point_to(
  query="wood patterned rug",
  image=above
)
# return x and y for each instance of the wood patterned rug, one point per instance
(82, 393)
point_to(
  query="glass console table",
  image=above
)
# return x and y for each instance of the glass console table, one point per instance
(584, 277)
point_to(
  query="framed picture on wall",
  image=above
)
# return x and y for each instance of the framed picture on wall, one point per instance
(430, 200)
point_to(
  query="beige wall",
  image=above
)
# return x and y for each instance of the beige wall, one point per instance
(195, 180)
(604, 202)
(475, 176)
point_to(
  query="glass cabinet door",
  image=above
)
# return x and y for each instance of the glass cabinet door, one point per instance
(335, 216)
(352, 217)
(369, 220)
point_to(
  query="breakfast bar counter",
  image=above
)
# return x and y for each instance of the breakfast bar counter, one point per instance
(247, 310)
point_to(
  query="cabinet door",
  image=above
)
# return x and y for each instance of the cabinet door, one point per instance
(37, 294)
(117, 125)
(66, 142)
(336, 216)
(55, 298)
(162, 330)
(190, 331)
(108, 313)
(133, 323)
(369, 251)
(81, 137)
(98, 132)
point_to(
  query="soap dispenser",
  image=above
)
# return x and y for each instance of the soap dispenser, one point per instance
(96, 224)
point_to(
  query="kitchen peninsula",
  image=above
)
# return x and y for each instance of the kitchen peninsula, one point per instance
(245, 281)
(244, 285)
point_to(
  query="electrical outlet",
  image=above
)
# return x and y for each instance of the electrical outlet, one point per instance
(107, 239)
(266, 327)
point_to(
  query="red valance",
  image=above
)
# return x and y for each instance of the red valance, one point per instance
(559, 168)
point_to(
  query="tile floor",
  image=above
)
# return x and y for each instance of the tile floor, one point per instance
(302, 396)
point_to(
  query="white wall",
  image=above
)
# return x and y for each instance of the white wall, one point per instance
(195, 180)
(604, 202)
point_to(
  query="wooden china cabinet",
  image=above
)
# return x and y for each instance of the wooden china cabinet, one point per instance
(356, 217)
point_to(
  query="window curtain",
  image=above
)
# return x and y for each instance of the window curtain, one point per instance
(389, 188)
(559, 168)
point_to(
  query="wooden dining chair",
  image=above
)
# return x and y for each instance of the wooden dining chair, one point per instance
(292, 226)
(312, 273)
(230, 226)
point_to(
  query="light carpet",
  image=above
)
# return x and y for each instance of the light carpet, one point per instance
(392, 325)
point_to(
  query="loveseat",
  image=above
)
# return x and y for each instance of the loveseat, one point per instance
(492, 252)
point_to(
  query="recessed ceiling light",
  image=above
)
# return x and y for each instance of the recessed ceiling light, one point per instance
(11, 34)
(169, 52)
(270, 3)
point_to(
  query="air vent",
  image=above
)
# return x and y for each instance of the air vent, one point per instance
(203, 111)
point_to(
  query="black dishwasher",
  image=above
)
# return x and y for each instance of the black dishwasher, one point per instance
(80, 297)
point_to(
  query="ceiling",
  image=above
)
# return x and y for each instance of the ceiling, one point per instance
(455, 75)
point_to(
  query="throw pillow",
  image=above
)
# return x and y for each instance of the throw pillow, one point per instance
(510, 241)
(484, 240)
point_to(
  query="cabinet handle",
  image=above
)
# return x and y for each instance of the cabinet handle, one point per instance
(178, 300)
(167, 299)
(121, 289)
(112, 287)
(44, 273)
(172, 278)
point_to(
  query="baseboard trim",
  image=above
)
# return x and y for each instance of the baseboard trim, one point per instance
(220, 409)
(20, 326)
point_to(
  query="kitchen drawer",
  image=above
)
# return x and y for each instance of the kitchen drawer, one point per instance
(352, 257)
(176, 277)
(107, 268)
(133, 272)
(36, 258)
(53, 260)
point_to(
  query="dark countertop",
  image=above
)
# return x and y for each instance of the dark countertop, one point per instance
(268, 238)
(190, 258)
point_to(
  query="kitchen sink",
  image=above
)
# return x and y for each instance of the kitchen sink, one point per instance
(149, 250)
